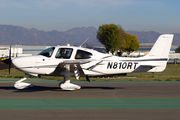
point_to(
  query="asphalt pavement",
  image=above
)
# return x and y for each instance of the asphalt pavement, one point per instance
(96, 100)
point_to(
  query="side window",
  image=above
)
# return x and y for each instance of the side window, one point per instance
(82, 54)
(47, 52)
(64, 53)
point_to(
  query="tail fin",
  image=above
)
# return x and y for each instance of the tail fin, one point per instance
(159, 54)
(161, 47)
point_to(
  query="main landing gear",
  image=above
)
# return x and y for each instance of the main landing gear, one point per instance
(66, 85)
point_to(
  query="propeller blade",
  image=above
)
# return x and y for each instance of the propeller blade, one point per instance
(9, 61)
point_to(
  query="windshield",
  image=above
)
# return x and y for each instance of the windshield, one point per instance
(64, 53)
(47, 52)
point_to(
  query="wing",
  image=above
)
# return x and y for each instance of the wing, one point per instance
(75, 67)
(71, 67)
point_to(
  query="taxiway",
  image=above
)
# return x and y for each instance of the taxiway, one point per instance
(95, 100)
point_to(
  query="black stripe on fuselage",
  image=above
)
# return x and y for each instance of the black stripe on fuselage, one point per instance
(161, 59)
(46, 66)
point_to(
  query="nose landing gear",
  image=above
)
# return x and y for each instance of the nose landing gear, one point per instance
(22, 85)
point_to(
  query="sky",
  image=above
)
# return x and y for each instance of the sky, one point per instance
(140, 15)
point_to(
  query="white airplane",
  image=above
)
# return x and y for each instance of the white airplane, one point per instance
(69, 61)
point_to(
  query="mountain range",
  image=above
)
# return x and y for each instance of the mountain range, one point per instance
(16, 35)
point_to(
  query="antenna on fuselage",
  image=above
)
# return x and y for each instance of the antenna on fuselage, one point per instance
(84, 42)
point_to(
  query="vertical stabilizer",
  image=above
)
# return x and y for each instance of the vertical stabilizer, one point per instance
(161, 47)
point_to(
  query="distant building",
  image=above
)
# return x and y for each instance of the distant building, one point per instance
(174, 55)
(148, 46)
(20, 50)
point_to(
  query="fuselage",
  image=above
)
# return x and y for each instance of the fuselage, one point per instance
(92, 63)
(68, 61)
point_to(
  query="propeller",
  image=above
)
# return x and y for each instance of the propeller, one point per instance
(9, 60)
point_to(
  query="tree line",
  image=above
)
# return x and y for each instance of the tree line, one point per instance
(115, 39)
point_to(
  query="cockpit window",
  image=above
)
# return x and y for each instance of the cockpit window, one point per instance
(64, 53)
(83, 54)
(47, 52)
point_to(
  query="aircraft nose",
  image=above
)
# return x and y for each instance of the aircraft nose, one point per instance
(16, 62)
(24, 62)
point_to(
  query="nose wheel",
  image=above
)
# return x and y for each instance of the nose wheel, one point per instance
(22, 85)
